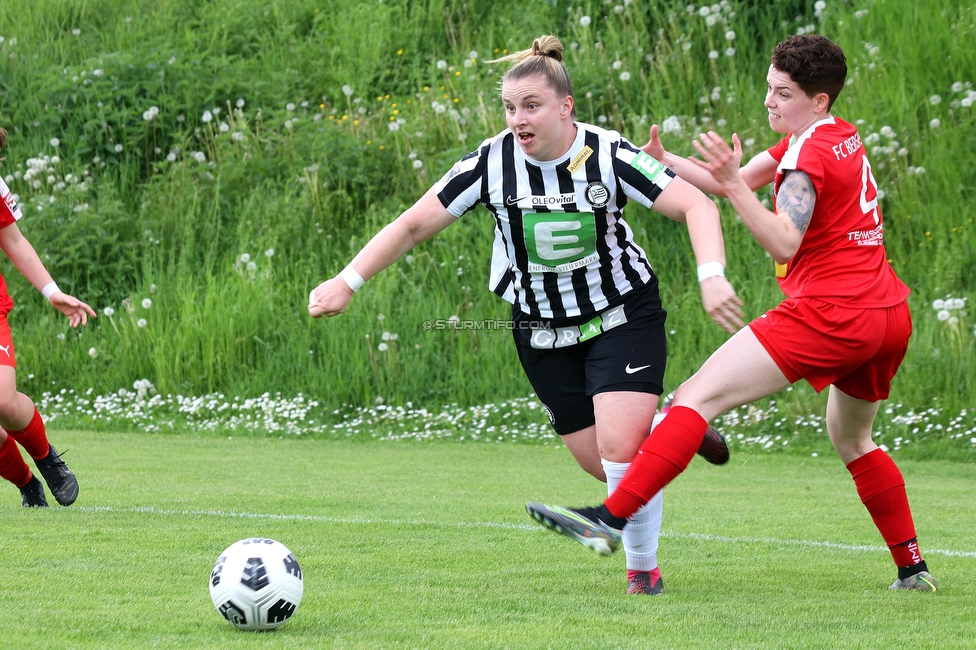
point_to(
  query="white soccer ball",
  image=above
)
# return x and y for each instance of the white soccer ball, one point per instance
(256, 584)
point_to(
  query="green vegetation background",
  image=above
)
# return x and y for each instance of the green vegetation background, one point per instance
(198, 167)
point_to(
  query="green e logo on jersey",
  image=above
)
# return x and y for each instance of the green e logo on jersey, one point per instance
(559, 242)
(647, 165)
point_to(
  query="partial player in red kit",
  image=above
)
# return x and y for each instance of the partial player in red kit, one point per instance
(19, 418)
(844, 324)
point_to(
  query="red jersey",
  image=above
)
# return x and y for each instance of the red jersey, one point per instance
(842, 258)
(9, 214)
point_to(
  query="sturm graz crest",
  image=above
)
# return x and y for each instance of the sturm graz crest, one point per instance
(255, 576)
(597, 194)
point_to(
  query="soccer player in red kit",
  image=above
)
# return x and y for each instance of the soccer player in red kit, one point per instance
(844, 324)
(19, 418)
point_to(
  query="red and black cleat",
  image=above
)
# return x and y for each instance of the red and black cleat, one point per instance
(713, 448)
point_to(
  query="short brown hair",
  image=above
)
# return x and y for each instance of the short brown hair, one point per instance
(814, 63)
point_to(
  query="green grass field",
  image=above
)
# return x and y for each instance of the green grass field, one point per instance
(426, 545)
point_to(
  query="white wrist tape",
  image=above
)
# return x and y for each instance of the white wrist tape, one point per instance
(352, 278)
(710, 270)
(50, 289)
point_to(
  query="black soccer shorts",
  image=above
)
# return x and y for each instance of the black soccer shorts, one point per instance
(631, 356)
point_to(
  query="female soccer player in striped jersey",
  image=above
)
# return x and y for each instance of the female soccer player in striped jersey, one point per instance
(844, 324)
(587, 316)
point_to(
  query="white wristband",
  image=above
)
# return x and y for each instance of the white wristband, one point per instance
(50, 289)
(352, 278)
(710, 270)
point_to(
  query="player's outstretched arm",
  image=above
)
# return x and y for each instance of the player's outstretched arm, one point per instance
(417, 224)
(683, 202)
(758, 172)
(779, 234)
(681, 166)
(25, 258)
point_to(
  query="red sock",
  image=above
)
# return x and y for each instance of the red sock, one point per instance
(12, 465)
(663, 456)
(33, 437)
(882, 490)
(655, 574)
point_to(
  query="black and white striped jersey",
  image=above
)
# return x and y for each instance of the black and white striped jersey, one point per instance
(562, 248)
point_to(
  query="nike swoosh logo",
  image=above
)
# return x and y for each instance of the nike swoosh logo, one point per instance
(631, 371)
(511, 200)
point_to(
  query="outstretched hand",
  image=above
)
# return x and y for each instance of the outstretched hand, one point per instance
(654, 148)
(329, 298)
(722, 303)
(76, 311)
(718, 159)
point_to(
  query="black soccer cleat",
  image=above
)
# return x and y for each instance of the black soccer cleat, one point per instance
(59, 479)
(32, 494)
(579, 524)
(713, 448)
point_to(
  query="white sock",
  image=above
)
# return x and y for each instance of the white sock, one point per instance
(643, 528)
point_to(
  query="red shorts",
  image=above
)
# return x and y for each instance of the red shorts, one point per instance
(6, 344)
(857, 350)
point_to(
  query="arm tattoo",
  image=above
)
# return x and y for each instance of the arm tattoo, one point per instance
(796, 198)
